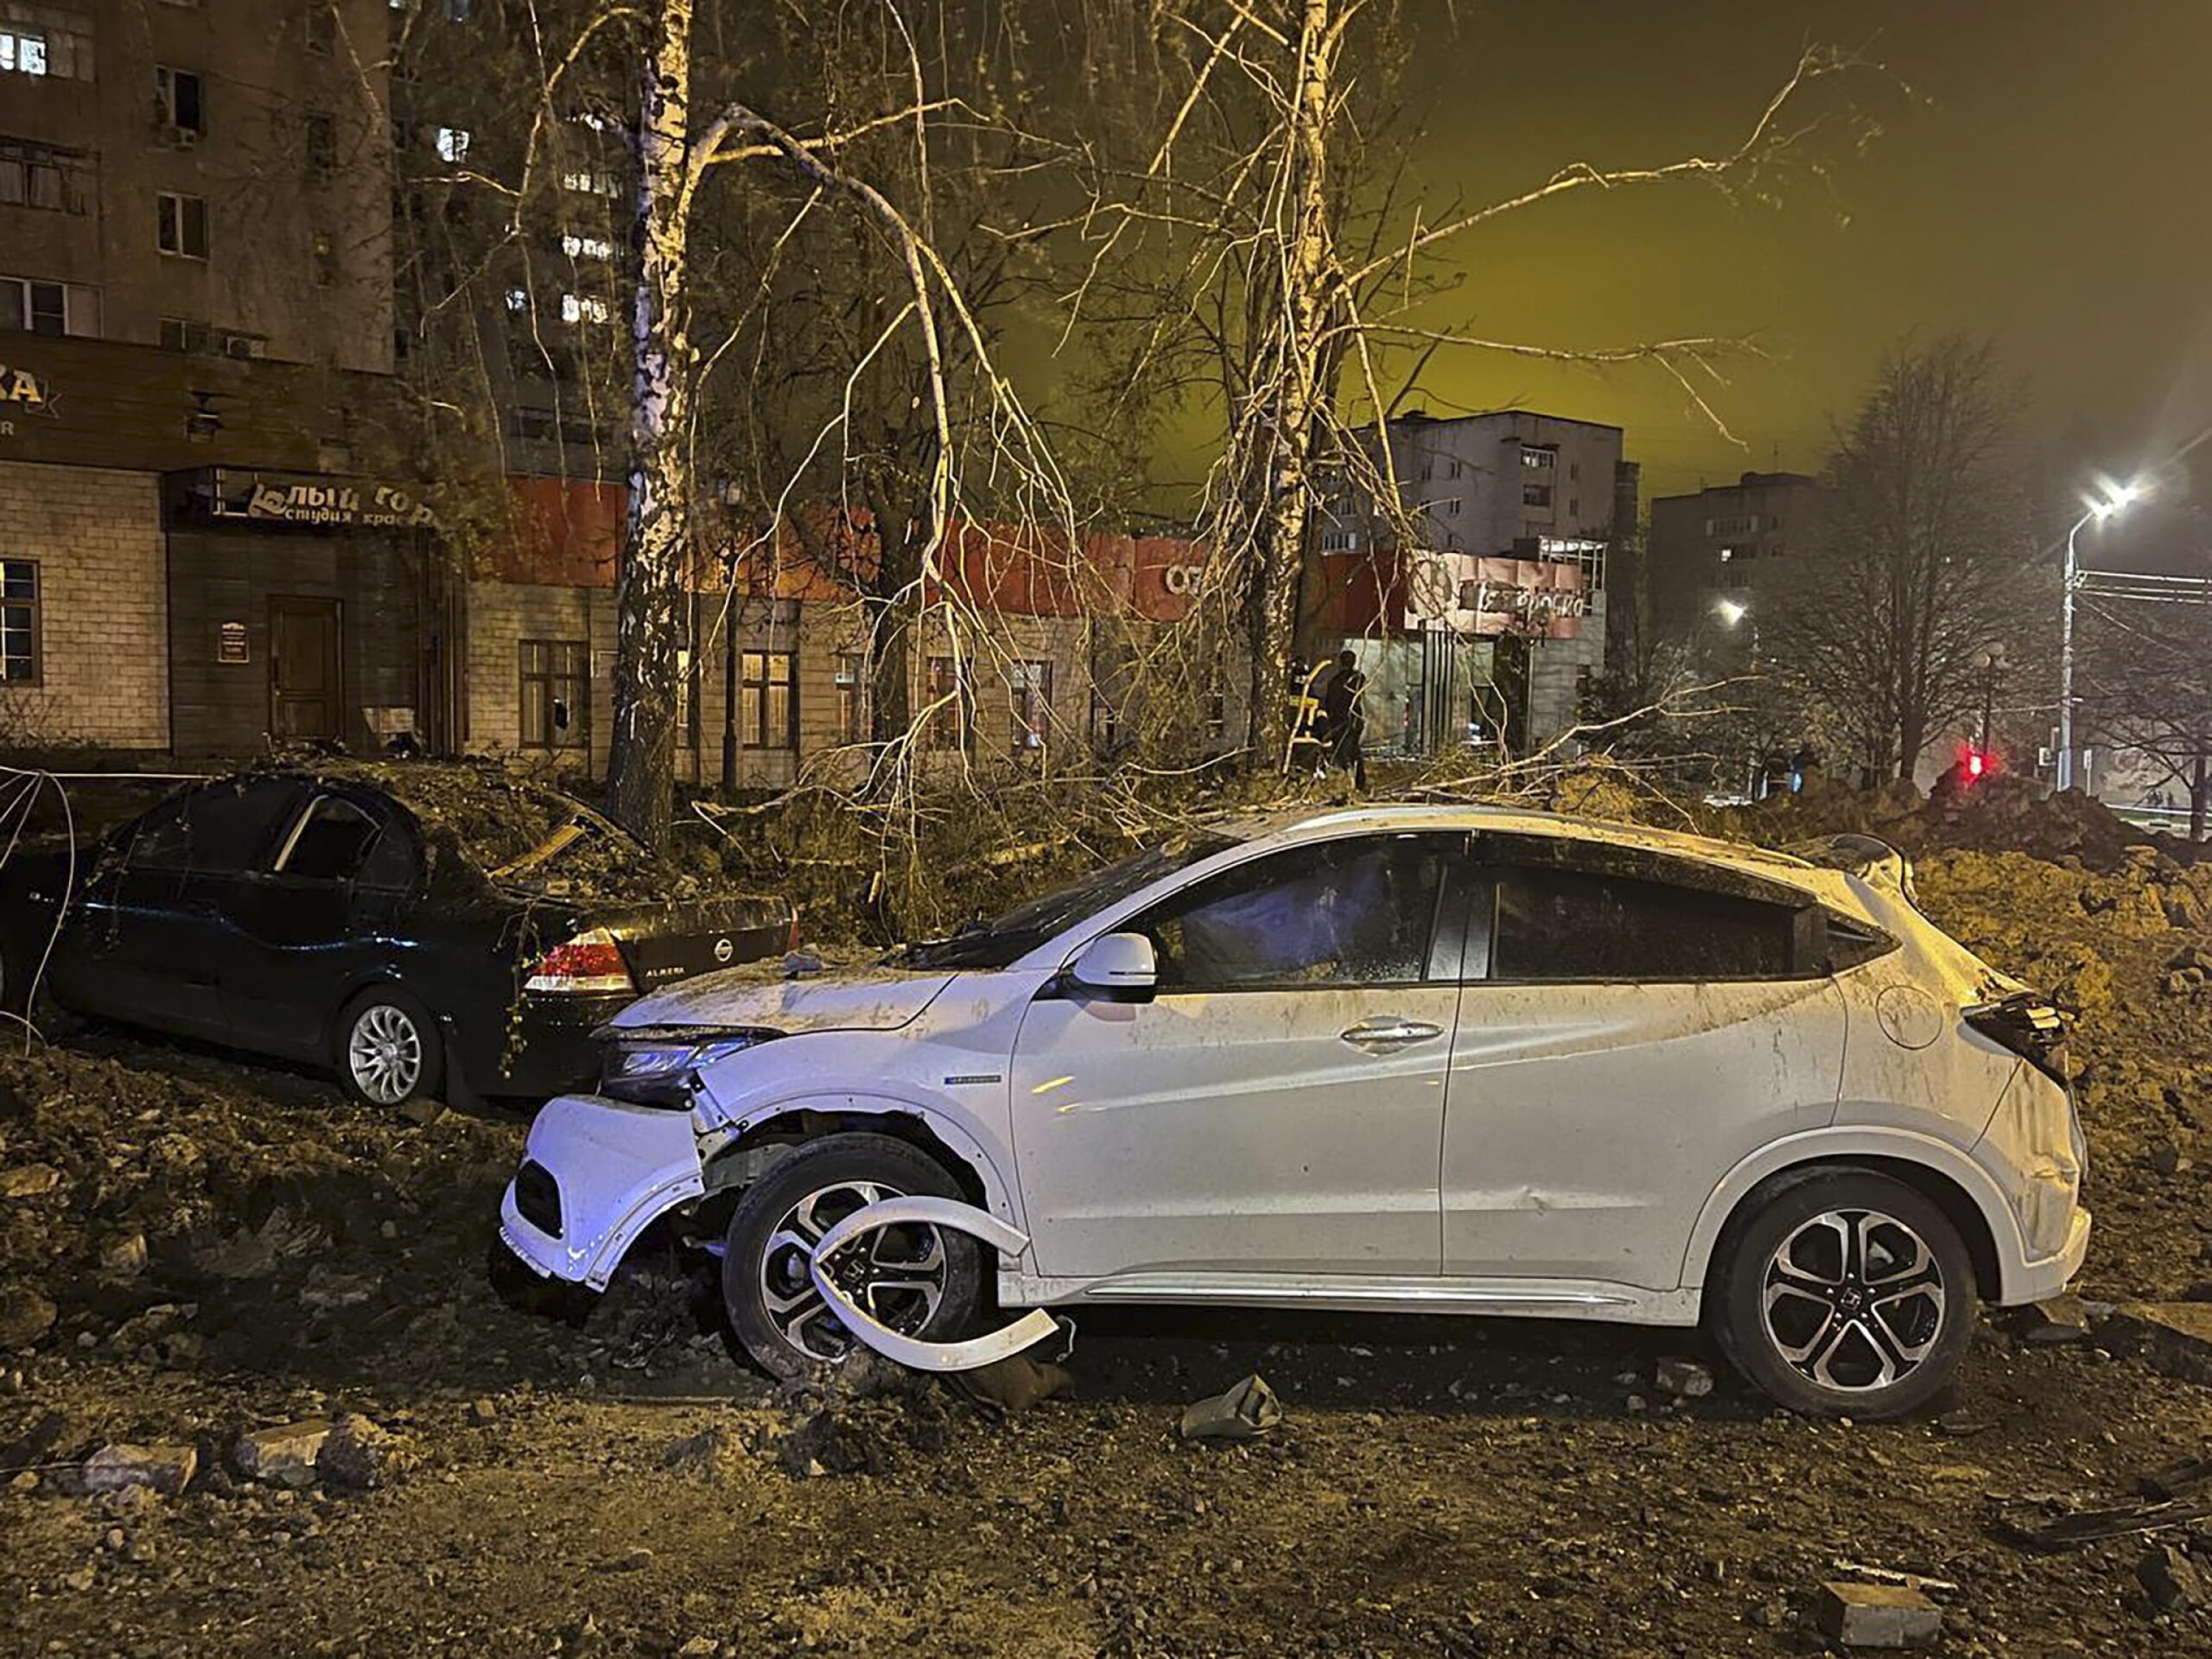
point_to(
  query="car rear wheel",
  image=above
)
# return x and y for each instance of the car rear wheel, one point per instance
(388, 1051)
(920, 1280)
(1847, 1294)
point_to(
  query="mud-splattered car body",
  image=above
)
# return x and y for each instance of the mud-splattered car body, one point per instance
(260, 911)
(1434, 1059)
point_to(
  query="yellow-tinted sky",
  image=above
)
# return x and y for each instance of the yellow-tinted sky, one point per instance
(2048, 182)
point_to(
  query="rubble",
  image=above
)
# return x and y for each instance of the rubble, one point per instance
(166, 1469)
(25, 1316)
(2175, 1337)
(283, 1456)
(2061, 1318)
(1244, 1412)
(1878, 1616)
(29, 1180)
(1686, 1379)
(2174, 1583)
(358, 1456)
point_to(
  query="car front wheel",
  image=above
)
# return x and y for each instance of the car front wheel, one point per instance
(388, 1051)
(920, 1280)
(1847, 1294)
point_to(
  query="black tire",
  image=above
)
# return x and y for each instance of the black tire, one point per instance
(1873, 1310)
(764, 1255)
(407, 1033)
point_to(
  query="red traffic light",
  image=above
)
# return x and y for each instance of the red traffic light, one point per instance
(1976, 763)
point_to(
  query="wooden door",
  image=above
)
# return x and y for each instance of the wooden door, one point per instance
(305, 693)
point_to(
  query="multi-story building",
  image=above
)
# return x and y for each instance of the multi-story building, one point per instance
(1491, 620)
(1709, 554)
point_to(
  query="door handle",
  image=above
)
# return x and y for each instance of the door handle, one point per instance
(1388, 1031)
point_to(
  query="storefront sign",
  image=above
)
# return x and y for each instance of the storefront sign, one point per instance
(230, 643)
(21, 390)
(1534, 597)
(304, 498)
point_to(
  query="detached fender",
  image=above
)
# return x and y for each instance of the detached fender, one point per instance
(1840, 1145)
(619, 1168)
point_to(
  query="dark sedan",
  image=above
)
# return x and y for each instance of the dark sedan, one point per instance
(421, 930)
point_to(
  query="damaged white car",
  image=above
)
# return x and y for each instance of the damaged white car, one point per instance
(1406, 1058)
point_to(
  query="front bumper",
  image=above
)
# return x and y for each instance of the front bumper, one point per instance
(615, 1169)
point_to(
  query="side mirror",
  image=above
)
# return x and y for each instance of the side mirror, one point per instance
(1119, 966)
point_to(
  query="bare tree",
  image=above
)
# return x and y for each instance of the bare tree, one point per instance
(2149, 689)
(1924, 559)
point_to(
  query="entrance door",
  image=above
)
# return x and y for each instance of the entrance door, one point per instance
(304, 690)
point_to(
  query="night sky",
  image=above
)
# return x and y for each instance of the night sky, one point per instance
(2043, 181)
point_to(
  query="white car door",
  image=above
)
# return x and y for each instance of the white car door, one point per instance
(1631, 1041)
(1277, 1107)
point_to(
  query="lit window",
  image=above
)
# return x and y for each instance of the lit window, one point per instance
(945, 696)
(518, 300)
(556, 694)
(584, 308)
(1539, 460)
(19, 631)
(453, 144)
(589, 184)
(22, 51)
(586, 247)
(1032, 686)
(852, 698)
(181, 226)
(767, 707)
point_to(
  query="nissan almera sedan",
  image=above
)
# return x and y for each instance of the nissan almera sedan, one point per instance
(1402, 1058)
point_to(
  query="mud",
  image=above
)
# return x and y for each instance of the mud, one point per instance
(604, 1477)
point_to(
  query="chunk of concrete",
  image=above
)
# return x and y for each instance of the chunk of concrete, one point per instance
(283, 1456)
(2060, 1318)
(119, 1467)
(1878, 1616)
(1243, 1413)
(2174, 1583)
(358, 1455)
(2176, 1337)
(1686, 1379)
(29, 1180)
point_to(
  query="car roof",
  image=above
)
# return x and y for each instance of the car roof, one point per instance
(1292, 825)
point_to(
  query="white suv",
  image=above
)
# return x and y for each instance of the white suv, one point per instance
(1413, 1059)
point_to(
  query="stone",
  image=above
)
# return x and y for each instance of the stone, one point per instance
(167, 1469)
(483, 1411)
(1878, 1616)
(283, 1456)
(359, 1456)
(2060, 1318)
(2165, 1158)
(1686, 1379)
(2176, 1337)
(29, 1180)
(124, 1255)
(2174, 1583)
(25, 1316)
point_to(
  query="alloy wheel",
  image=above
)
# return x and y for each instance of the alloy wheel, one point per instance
(897, 1273)
(1853, 1300)
(385, 1054)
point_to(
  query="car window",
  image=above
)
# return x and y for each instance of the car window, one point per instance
(329, 843)
(391, 863)
(1356, 911)
(218, 828)
(1552, 924)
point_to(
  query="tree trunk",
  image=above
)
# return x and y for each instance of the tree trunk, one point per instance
(1278, 558)
(648, 594)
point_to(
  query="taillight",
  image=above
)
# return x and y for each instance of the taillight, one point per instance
(2029, 1025)
(591, 962)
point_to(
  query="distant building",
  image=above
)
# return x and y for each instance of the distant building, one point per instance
(1496, 616)
(1709, 555)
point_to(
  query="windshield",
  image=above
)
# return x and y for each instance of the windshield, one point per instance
(1021, 930)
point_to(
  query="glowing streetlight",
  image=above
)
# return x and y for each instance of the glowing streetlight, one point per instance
(2101, 508)
(1732, 611)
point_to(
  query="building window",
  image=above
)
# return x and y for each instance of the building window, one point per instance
(180, 334)
(19, 631)
(322, 134)
(176, 100)
(1452, 467)
(584, 308)
(1031, 683)
(183, 226)
(322, 29)
(323, 249)
(453, 144)
(556, 694)
(1338, 541)
(767, 709)
(33, 174)
(1105, 722)
(37, 307)
(1542, 460)
(589, 183)
(456, 12)
(1450, 506)
(1536, 495)
(946, 698)
(852, 697)
(518, 300)
(1216, 716)
(23, 51)
(586, 247)
(1574, 507)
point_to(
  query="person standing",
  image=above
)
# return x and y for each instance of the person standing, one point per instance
(1347, 722)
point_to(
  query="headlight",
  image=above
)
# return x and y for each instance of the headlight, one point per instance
(658, 1068)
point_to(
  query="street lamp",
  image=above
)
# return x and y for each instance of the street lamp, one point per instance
(1732, 611)
(2113, 501)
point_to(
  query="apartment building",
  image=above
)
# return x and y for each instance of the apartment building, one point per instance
(1710, 554)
